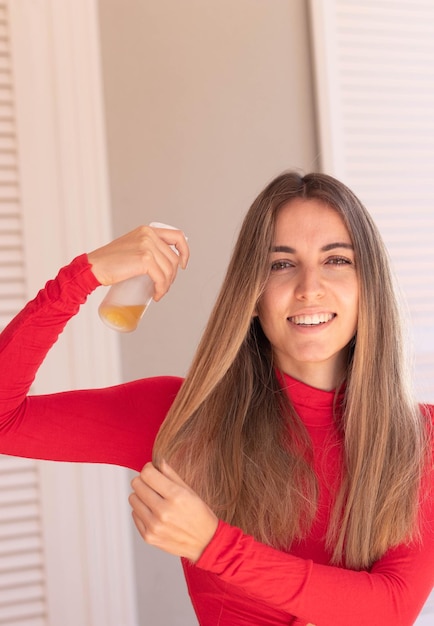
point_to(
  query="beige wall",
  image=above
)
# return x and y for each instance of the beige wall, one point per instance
(206, 100)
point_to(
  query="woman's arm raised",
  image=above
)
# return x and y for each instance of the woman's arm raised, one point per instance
(115, 425)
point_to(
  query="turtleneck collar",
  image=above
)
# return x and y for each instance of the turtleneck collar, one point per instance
(314, 406)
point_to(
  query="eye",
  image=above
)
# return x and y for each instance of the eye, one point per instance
(280, 265)
(339, 260)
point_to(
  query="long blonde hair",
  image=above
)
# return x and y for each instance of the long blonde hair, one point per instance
(234, 435)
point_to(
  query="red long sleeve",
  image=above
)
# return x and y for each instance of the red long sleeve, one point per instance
(116, 425)
(392, 593)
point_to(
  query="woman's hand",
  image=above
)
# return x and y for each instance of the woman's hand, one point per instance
(145, 250)
(170, 515)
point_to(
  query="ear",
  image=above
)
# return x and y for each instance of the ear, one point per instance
(256, 309)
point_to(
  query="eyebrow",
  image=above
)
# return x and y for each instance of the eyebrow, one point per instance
(326, 248)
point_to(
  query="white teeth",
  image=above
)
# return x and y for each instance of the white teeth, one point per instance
(312, 320)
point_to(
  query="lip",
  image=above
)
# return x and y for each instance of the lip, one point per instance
(319, 320)
(312, 310)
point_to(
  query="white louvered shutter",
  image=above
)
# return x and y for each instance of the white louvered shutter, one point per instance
(375, 70)
(22, 586)
(22, 589)
(374, 66)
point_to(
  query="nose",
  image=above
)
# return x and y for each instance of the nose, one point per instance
(309, 285)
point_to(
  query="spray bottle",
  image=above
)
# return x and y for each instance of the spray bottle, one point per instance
(125, 302)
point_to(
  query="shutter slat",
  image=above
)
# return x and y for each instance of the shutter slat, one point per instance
(19, 561)
(19, 595)
(20, 546)
(8, 176)
(32, 621)
(6, 110)
(11, 257)
(20, 510)
(28, 576)
(10, 223)
(8, 160)
(7, 127)
(9, 208)
(5, 64)
(17, 479)
(18, 611)
(4, 32)
(9, 193)
(10, 240)
(12, 293)
(12, 463)
(18, 528)
(5, 92)
(10, 305)
(13, 273)
(18, 496)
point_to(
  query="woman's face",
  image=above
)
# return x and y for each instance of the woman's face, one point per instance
(308, 310)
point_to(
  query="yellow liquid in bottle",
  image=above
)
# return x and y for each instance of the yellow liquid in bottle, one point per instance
(124, 318)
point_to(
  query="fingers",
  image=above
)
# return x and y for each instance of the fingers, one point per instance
(158, 252)
(177, 239)
(165, 251)
(149, 499)
(139, 525)
(151, 477)
(142, 514)
(171, 251)
(154, 514)
(169, 472)
(170, 515)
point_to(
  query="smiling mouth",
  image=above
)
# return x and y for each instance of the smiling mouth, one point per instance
(312, 320)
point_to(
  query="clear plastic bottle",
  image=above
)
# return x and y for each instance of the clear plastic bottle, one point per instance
(125, 302)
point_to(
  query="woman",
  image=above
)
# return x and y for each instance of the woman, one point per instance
(293, 472)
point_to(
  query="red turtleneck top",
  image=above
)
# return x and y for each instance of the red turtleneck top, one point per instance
(237, 581)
